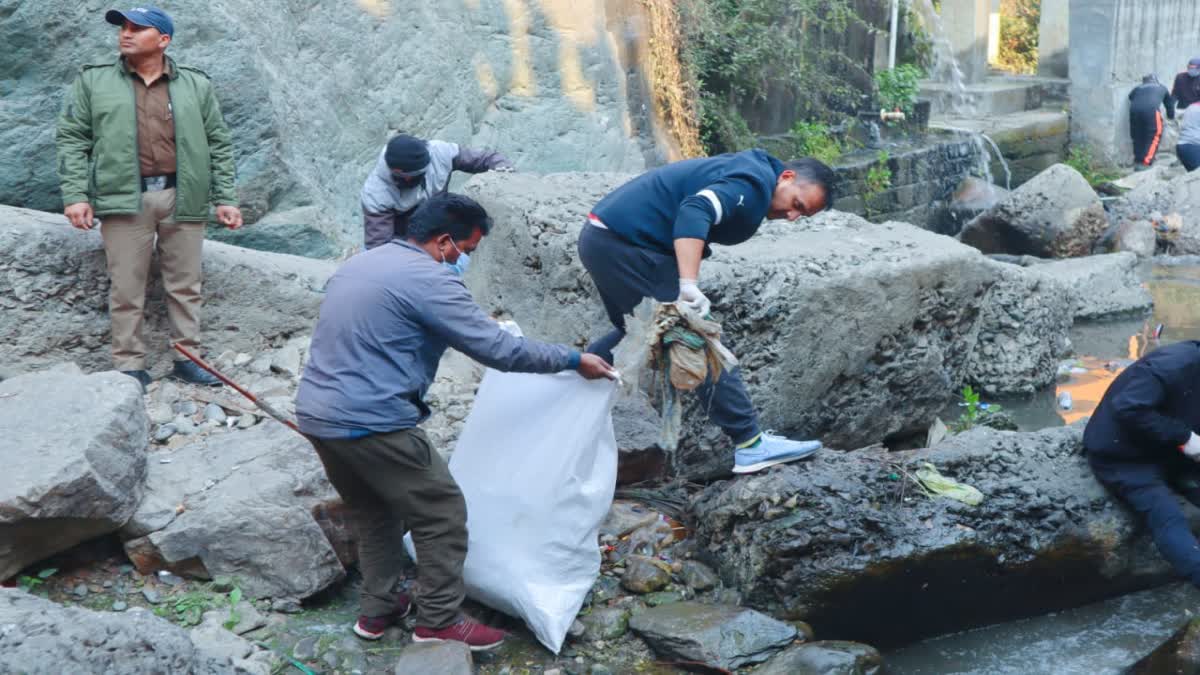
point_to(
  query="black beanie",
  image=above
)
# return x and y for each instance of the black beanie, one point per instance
(407, 154)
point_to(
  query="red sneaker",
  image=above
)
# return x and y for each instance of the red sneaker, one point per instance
(475, 635)
(373, 627)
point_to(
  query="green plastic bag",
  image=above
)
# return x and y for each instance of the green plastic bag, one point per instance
(937, 484)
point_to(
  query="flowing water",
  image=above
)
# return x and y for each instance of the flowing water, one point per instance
(1109, 636)
(945, 66)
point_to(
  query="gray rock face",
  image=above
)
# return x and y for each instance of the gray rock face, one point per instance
(38, 636)
(436, 658)
(54, 296)
(819, 541)
(239, 504)
(846, 330)
(73, 449)
(825, 658)
(1054, 215)
(1102, 285)
(1180, 654)
(311, 101)
(1136, 237)
(716, 635)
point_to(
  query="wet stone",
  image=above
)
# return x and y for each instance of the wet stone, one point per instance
(164, 432)
(825, 658)
(185, 407)
(214, 413)
(151, 596)
(606, 623)
(80, 591)
(718, 636)
(120, 606)
(305, 649)
(606, 588)
(661, 598)
(331, 659)
(643, 576)
(435, 658)
(222, 584)
(698, 576)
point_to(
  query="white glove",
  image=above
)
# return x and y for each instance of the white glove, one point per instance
(1192, 448)
(690, 295)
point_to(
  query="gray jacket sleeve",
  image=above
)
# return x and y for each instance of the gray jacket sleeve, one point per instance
(478, 161)
(456, 318)
(378, 228)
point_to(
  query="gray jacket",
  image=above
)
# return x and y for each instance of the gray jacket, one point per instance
(388, 316)
(1189, 125)
(386, 207)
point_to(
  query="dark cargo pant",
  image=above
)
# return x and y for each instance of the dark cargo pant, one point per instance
(388, 481)
(625, 275)
(1150, 488)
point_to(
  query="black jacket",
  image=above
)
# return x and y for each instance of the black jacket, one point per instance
(1146, 98)
(1150, 409)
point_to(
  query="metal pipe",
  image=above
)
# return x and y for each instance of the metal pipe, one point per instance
(895, 29)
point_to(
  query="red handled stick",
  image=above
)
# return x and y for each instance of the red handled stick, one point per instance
(263, 405)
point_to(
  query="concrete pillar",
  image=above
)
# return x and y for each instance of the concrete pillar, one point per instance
(993, 45)
(966, 23)
(1053, 31)
(1113, 44)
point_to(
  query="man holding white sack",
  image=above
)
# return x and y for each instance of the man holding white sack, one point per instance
(388, 316)
(646, 240)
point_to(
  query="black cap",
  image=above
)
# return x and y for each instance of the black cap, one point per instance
(408, 154)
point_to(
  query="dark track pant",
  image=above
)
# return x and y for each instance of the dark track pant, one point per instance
(625, 275)
(1151, 490)
(388, 481)
(1146, 128)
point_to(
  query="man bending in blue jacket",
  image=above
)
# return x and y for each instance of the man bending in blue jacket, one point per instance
(647, 238)
(1142, 445)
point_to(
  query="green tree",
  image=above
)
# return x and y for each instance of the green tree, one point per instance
(1019, 35)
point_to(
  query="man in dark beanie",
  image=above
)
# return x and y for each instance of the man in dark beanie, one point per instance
(1186, 89)
(410, 171)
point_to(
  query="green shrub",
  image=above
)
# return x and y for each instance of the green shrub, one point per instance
(897, 88)
(816, 140)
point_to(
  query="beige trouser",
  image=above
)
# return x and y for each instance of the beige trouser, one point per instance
(129, 243)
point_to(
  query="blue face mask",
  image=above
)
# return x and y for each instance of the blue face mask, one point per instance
(459, 266)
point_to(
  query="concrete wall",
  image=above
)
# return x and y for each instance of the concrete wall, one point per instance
(1113, 44)
(1053, 31)
(966, 24)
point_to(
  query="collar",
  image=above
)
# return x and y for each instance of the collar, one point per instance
(169, 69)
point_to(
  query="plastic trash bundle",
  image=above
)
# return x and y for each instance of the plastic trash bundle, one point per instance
(537, 464)
(934, 483)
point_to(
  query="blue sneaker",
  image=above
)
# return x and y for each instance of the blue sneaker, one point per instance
(770, 450)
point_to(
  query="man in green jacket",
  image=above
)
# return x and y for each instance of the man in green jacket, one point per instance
(142, 145)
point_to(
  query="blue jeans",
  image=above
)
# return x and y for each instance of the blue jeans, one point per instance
(1151, 489)
(625, 275)
(1189, 154)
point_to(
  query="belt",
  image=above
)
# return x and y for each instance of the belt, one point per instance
(156, 183)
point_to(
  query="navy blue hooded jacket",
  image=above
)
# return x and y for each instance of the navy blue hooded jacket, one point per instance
(1150, 409)
(722, 200)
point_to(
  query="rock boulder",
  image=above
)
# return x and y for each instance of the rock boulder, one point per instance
(1056, 214)
(73, 449)
(716, 635)
(243, 504)
(851, 544)
(54, 296)
(1103, 286)
(40, 637)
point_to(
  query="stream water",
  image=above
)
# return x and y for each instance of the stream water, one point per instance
(1105, 637)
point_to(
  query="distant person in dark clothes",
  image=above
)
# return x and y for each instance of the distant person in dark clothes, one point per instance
(1146, 102)
(1186, 90)
(408, 172)
(1188, 148)
(1142, 444)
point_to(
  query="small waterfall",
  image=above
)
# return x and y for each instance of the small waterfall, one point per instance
(945, 66)
(986, 145)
